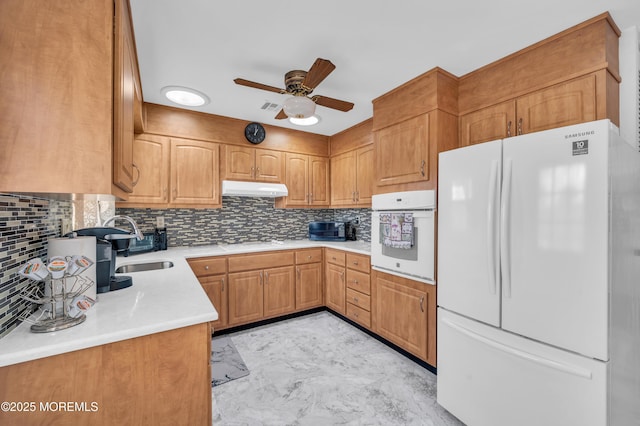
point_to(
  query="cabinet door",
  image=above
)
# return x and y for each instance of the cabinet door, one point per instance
(279, 291)
(245, 297)
(269, 166)
(402, 152)
(319, 181)
(560, 105)
(364, 176)
(194, 173)
(239, 162)
(297, 179)
(343, 179)
(402, 314)
(215, 287)
(308, 285)
(123, 98)
(152, 160)
(488, 124)
(335, 288)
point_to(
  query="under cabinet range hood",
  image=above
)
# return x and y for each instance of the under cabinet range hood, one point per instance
(254, 189)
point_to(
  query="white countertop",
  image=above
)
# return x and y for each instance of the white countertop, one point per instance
(159, 300)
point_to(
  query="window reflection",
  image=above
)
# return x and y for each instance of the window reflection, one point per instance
(561, 207)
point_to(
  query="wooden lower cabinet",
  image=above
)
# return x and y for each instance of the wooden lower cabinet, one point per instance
(254, 295)
(406, 314)
(246, 301)
(215, 287)
(279, 291)
(308, 286)
(335, 288)
(159, 379)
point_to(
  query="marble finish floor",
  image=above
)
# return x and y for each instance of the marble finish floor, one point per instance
(320, 370)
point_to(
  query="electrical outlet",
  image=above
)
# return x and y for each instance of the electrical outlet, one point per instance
(356, 220)
(159, 221)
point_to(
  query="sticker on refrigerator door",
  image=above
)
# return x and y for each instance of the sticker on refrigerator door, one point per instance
(580, 147)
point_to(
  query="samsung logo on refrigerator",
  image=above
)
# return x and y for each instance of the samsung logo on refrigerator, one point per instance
(580, 134)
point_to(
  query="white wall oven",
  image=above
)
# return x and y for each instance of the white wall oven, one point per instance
(403, 234)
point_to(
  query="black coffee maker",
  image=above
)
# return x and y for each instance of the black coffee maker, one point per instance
(109, 242)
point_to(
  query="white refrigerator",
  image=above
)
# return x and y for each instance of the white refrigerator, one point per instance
(539, 279)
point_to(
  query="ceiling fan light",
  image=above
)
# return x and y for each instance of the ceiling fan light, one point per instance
(309, 121)
(299, 107)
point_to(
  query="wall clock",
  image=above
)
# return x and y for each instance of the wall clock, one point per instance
(255, 133)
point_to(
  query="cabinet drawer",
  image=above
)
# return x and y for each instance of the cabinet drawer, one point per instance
(359, 315)
(359, 299)
(359, 262)
(359, 281)
(335, 256)
(260, 261)
(308, 256)
(204, 266)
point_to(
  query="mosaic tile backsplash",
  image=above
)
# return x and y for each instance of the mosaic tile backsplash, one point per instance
(26, 223)
(243, 219)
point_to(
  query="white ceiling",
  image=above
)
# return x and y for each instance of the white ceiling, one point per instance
(376, 45)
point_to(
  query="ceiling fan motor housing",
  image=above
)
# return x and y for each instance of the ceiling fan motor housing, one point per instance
(293, 82)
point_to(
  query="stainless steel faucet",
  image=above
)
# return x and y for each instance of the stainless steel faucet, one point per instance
(136, 230)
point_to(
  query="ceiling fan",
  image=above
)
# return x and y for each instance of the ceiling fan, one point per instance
(300, 84)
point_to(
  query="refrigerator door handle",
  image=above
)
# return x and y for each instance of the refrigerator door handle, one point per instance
(505, 230)
(550, 363)
(491, 227)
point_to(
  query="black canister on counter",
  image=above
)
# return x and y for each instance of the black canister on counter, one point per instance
(160, 239)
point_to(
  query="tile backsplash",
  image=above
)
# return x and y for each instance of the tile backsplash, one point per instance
(26, 223)
(242, 219)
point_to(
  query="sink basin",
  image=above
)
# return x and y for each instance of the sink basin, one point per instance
(147, 266)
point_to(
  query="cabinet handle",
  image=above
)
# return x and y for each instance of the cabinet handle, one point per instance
(206, 267)
(353, 196)
(310, 198)
(421, 300)
(342, 276)
(222, 284)
(355, 262)
(135, 182)
(422, 167)
(355, 299)
(175, 194)
(298, 271)
(266, 277)
(309, 257)
(261, 278)
(164, 194)
(253, 172)
(257, 172)
(357, 195)
(509, 129)
(520, 126)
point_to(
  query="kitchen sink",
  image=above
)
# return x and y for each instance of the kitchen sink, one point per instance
(147, 266)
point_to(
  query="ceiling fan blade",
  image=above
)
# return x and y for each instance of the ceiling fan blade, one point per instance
(333, 103)
(281, 115)
(243, 82)
(320, 69)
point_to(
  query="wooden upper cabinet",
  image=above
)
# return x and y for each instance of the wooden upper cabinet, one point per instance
(495, 122)
(319, 181)
(194, 173)
(246, 163)
(57, 89)
(564, 104)
(402, 152)
(307, 179)
(560, 105)
(125, 76)
(352, 178)
(151, 155)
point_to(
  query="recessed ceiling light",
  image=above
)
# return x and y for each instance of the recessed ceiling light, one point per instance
(309, 121)
(185, 96)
